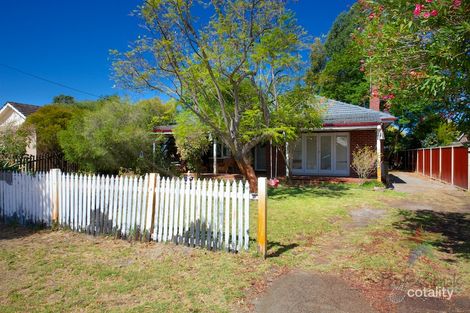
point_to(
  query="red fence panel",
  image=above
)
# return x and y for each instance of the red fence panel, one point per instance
(446, 174)
(461, 167)
(435, 163)
(427, 162)
(419, 162)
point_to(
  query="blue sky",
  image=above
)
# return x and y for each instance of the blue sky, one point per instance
(69, 41)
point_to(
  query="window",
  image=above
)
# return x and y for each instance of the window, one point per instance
(320, 154)
(223, 151)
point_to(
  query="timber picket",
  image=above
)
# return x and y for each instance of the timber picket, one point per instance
(213, 214)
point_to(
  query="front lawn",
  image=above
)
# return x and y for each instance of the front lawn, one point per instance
(308, 228)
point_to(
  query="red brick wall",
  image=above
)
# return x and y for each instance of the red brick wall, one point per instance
(359, 139)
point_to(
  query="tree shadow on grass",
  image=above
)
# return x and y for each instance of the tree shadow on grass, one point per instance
(321, 190)
(279, 248)
(455, 228)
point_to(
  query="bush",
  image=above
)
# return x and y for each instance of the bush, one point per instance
(364, 161)
(116, 135)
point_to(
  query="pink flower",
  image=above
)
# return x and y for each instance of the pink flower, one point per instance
(418, 9)
(428, 1)
(391, 96)
(371, 16)
(457, 3)
(434, 13)
(426, 14)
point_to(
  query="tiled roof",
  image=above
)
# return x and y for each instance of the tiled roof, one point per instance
(25, 109)
(337, 113)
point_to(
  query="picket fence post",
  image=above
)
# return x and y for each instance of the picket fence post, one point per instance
(262, 216)
(149, 224)
(55, 174)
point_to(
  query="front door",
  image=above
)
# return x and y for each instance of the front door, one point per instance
(321, 154)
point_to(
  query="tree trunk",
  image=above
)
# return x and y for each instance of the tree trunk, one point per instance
(249, 173)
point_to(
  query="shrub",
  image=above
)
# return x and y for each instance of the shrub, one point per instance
(13, 142)
(364, 161)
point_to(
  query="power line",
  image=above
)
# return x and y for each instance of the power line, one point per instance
(48, 80)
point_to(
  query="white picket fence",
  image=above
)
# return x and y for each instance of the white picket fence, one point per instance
(207, 213)
(26, 198)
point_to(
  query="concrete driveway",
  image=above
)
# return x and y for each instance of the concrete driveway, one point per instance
(428, 194)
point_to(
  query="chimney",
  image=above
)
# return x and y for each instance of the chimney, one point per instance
(374, 102)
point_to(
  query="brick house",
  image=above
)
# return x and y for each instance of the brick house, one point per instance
(326, 151)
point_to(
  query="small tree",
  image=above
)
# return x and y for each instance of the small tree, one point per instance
(63, 99)
(48, 121)
(364, 161)
(13, 143)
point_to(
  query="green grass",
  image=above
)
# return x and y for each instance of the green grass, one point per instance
(308, 228)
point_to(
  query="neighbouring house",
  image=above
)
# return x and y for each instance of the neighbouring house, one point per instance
(326, 151)
(15, 114)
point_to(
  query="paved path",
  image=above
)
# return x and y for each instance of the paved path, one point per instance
(302, 292)
(415, 183)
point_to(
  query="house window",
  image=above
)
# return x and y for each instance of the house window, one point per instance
(321, 154)
(223, 151)
(260, 158)
(297, 154)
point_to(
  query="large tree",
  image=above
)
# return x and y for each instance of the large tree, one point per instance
(335, 70)
(417, 54)
(229, 68)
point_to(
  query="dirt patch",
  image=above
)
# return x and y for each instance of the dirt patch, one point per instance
(309, 292)
(364, 216)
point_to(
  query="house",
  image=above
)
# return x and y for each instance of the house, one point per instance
(326, 151)
(15, 114)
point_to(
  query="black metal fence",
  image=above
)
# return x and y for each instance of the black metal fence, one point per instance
(45, 162)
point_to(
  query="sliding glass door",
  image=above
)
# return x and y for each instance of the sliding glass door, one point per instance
(321, 154)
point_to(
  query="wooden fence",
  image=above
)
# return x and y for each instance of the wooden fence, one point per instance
(207, 213)
(448, 164)
(45, 162)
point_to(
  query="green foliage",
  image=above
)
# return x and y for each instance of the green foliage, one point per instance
(159, 113)
(192, 139)
(229, 72)
(335, 70)
(418, 53)
(318, 61)
(443, 135)
(115, 135)
(47, 122)
(63, 99)
(13, 143)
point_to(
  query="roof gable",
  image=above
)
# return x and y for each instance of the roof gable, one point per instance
(22, 108)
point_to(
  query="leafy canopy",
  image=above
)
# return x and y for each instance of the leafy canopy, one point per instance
(417, 54)
(231, 71)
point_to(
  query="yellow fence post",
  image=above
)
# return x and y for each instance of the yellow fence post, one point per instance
(262, 216)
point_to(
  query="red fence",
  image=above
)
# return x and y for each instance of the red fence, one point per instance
(447, 164)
